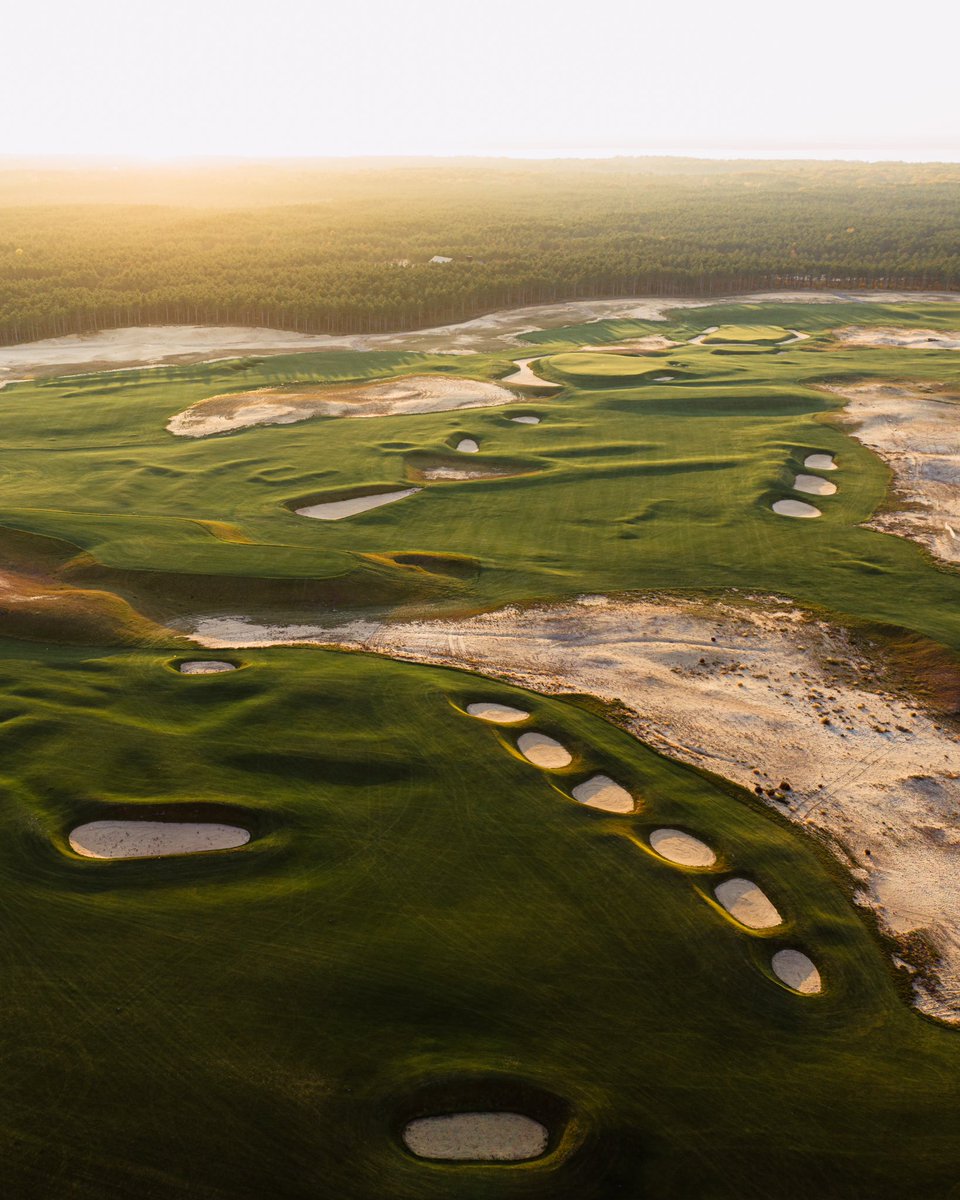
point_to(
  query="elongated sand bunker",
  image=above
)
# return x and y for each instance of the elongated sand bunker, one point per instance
(337, 510)
(499, 714)
(911, 339)
(813, 485)
(525, 420)
(746, 903)
(819, 462)
(154, 839)
(543, 751)
(208, 666)
(378, 398)
(442, 472)
(602, 792)
(477, 1137)
(467, 446)
(524, 376)
(793, 968)
(682, 848)
(795, 508)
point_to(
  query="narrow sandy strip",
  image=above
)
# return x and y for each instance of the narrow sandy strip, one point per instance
(477, 1137)
(917, 434)
(155, 345)
(338, 510)
(759, 693)
(524, 376)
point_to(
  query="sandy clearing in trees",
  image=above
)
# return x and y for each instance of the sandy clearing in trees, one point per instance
(477, 1136)
(813, 485)
(543, 751)
(467, 446)
(795, 508)
(797, 971)
(917, 434)
(756, 692)
(819, 462)
(500, 714)
(337, 510)
(602, 792)
(154, 839)
(746, 903)
(373, 398)
(682, 848)
(155, 345)
(524, 376)
(205, 666)
(911, 339)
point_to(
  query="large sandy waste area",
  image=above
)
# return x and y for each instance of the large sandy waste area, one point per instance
(910, 339)
(917, 435)
(756, 692)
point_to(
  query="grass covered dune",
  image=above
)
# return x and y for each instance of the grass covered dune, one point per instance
(213, 1026)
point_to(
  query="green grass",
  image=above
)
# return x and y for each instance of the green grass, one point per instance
(751, 334)
(420, 913)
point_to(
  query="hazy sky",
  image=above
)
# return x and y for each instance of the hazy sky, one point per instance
(163, 78)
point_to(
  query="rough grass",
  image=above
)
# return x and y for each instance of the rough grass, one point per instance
(421, 918)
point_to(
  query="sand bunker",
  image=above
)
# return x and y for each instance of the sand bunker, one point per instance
(916, 431)
(526, 420)
(524, 376)
(746, 903)
(820, 462)
(813, 485)
(467, 446)
(759, 693)
(602, 792)
(678, 847)
(795, 508)
(911, 339)
(640, 345)
(205, 666)
(378, 398)
(543, 751)
(500, 714)
(477, 1137)
(154, 839)
(441, 472)
(336, 510)
(797, 971)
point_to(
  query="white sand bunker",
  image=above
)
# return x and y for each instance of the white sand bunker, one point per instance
(477, 1137)
(911, 339)
(499, 714)
(602, 792)
(154, 839)
(813, 485)
(461, 473)
(207, 666)
(543, 751)
(526, 420)
(746, 903)
(794, 508)
(336, 510)
(819, 462)
(524, 376)
(467, 446)
(682, 848)
(797, 971)
(378, 398)
(638, 345)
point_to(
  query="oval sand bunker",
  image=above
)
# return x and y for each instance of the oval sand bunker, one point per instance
(543, 751)
(682, 848)
(477, 1137)
(500, 714)
(819, 462)
(797, 971)
(205, 667)
(525, 420)
(813, 485)
(795, 508)
(336, 510)
(746, 903)
(154, 839)
(467, 446)
(602, 792)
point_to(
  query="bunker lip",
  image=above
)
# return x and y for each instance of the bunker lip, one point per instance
(680, 848)
(600, 791)
(340, 506)
(813, 485)
(747, 903)
(795, 508)
(797, 971)
(543, 751)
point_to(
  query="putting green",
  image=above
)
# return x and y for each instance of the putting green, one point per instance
(750, 334)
